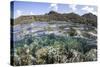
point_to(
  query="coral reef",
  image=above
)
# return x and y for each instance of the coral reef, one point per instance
(51, 49)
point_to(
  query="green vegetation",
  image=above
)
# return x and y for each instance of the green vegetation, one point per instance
(50, 49)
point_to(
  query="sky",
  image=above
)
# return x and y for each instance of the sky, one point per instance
(19, 8)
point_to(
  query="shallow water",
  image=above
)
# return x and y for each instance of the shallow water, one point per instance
(33, 27)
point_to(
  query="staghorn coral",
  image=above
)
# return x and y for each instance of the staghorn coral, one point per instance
(75, 56)
(50, 49)
(41, 55)
(51, 54)
(56, 54)
(23, 56)
(91, 55)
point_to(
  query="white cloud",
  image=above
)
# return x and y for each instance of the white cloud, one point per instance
(54, 7)
(89, 9)
(31, 13)
(73, 7)
(19, 13)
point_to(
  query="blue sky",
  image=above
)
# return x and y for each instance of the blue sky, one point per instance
(36, 8)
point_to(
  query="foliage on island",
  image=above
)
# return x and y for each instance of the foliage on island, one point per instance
(88, 18)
